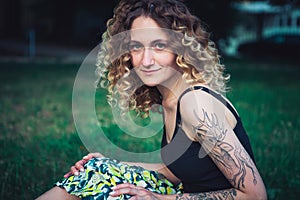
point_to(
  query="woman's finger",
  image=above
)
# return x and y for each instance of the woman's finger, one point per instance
(123, 185)
(95, 155)
(125, 188)
(136, 192)
(90, 156)
(67, 174)
(79, 165)
(74, 171)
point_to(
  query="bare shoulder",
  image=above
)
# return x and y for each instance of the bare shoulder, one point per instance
(200, 105)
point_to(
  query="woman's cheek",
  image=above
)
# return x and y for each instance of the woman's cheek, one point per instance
(134, 61)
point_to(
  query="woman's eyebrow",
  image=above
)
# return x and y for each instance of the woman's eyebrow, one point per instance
(159, 40)
(134, 41)
(151, 43)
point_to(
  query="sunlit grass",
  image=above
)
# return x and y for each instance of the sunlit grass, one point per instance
(39, 141)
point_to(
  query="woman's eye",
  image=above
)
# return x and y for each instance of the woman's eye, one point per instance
(135, 47)
(160, 46)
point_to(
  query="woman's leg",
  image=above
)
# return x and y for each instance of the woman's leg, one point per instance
(57, 193)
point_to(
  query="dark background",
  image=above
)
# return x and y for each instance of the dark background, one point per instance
(80, 23)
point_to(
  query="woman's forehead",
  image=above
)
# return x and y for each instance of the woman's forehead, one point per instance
(144, 22)
(145, 28)
(148, 34)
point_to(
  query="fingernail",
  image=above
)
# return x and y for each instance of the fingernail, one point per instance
(84, 157)
(112, 193)
(114, 187)
(81, 169)
(76, 173)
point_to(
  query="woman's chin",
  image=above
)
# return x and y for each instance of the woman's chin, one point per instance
(150, 84)
(150, 81)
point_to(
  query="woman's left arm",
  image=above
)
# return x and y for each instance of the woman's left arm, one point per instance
(208, 124)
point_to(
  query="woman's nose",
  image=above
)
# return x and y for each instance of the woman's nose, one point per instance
(148, 58)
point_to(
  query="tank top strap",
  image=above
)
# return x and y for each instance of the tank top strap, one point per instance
(214, 94)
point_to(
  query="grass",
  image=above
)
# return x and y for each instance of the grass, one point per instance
(39, 141)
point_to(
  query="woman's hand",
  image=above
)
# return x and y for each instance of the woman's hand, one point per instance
(137, 192)
(79, 165)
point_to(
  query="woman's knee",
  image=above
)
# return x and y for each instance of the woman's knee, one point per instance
(57, 193)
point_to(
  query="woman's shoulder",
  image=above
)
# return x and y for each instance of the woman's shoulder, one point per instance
(200, 100)
(204, 95)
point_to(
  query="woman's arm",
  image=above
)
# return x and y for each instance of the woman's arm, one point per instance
(228, 194)
(207, 122)
(144, 194)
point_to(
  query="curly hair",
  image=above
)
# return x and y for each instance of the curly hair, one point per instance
(199, 62)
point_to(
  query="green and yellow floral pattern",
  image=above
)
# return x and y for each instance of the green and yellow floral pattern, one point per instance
(103, 173)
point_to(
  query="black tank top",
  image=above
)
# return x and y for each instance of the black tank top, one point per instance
(181, 155)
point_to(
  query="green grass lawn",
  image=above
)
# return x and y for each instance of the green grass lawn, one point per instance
(39, 142)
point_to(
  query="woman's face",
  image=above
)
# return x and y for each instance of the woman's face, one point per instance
(154, 63)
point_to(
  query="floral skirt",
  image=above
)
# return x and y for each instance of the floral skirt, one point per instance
(102, 174)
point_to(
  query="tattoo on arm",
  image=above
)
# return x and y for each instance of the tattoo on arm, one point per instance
(234, 158)
(229, 194)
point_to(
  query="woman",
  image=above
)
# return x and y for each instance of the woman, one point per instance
(206, 152)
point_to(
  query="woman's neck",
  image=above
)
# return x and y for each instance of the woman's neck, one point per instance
(171, 91)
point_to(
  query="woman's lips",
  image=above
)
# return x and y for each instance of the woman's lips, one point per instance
(149, 71)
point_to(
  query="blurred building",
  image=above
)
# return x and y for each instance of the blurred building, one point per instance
(65, 21)
(80, 23)
(263, 28)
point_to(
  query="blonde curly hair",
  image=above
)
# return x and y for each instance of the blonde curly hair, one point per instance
(198, 61)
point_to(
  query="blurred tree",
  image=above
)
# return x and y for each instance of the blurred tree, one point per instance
(63, 13)
(285, 2)
(53, 20)
(11, 14)
(276, 2)
(218, 15)
(64, 20)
